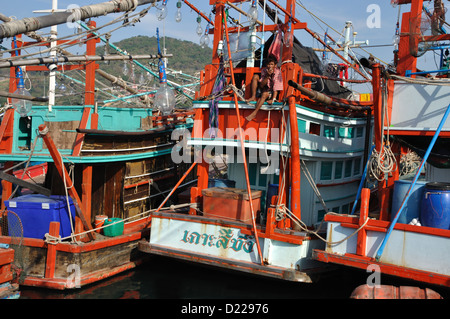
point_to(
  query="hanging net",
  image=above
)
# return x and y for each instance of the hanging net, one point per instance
(424, 25)
(11, 226)
(420, 27)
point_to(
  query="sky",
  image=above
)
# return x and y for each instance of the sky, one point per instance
(373, 20)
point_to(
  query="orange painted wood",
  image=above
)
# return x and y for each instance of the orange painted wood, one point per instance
(6, 186)
(381, 225)
(6, 259)
(80, 136)
(361, 262)
(363, 215)
(6, 131)
(86, 196)
(63, 173)
(51, 251)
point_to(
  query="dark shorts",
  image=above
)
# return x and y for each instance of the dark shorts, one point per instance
(260, 91)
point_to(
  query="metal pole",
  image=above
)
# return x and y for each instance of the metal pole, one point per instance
(78, 58)
(408, 193)
(12, 28)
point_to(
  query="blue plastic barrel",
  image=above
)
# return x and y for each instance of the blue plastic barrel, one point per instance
(436, 205)
(217, 182)
(272, 191)
(412, 206)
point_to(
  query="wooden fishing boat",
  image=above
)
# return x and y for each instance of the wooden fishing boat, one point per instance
(104, 165)
(299, 158)
(407, 234)
(8, 290)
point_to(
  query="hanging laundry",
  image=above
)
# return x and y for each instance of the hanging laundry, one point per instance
(275, 47)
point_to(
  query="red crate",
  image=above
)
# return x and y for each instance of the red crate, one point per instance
(230, 203)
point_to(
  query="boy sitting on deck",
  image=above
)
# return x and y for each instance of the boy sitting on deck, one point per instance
(269, 84)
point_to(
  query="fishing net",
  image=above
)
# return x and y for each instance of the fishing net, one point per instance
(420, 28)
(11, 226)
(426, 24)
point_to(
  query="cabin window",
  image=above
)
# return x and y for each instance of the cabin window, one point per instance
(357, 166)
(252, 173)
(326, 169)
(350, 132)
(346, 132)
(301, 126)
(348, 168)
(359, 131)
(336, 210)
(320, 215)
(262, 180)
(338, 169)
(314, 128)
(24, 133)
(328, 131)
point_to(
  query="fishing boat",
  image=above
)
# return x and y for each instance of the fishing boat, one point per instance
(301, 156)
(8, 290)
(407, 233)
(98, 169)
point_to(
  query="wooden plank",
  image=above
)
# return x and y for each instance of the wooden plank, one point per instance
(34, 187)
(98, 188)
(80, 136)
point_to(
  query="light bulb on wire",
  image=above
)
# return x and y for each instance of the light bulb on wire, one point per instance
(178, 16)
(62, 86)
(162, 12)
(204, 40)
(199, 29)
(253, 13)
(23, 107)
(164, 98)
(288, 36)
(125, 68)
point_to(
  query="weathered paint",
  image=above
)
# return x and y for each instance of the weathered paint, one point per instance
(210, 239)
(230, 243)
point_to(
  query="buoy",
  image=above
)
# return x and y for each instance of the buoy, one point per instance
(392, 292)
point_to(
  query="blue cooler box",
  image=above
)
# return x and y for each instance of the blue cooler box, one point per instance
(37, 211)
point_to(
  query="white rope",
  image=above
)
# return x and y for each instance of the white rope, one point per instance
(382, 163)
(304, 228)
(146, 213)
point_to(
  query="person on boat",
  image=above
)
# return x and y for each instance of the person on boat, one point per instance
(268, 84)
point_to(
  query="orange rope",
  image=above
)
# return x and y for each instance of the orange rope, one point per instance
(242, 144)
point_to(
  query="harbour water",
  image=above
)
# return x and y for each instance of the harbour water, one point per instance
(165, 278)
